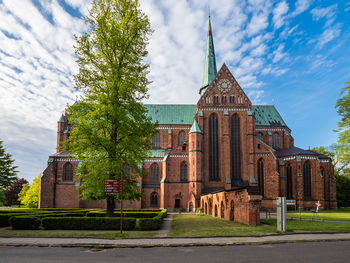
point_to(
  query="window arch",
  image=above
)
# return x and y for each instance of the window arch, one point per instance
(154, 199)
(222, 210)
(289, 181)
(235, 149)
(213, 148)
(275, 140)
(307, 180)
(232, 99)
(182, 138)
(183, 171)
(261, 177)
(216, 210)
(68, 172)
(223, 100)
(216, 99)
(156, 141)
(155, 173)
(260, 136)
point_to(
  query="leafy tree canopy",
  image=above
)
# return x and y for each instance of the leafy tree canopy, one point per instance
(29, 195)
(11, 193)
(111, 131)
(343, 107)
(8, 170)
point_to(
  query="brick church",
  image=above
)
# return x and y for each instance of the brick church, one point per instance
(223, 154)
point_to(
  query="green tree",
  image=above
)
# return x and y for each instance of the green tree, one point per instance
(112, 132)
(29, 195)
(2, 197)
(8, 170)
(11, 193)
(343, 107)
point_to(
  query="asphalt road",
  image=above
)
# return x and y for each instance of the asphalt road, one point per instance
(294, 252)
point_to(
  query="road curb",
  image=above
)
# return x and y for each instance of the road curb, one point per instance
(111, 246)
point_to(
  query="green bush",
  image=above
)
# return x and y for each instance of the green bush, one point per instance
(5, 218)
(25, 222)
(126, 214)
(151, 223)
(87, 223)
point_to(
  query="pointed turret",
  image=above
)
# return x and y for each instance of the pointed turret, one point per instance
(195, 128)
(61, 119)
(210, 70)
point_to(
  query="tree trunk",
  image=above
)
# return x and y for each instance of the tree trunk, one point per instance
(110, 207)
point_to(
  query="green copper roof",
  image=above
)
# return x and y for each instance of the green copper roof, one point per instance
(158, 153)
(210, 70)
(171, 113)
(195, 127)
(267, 115)
(61, 119)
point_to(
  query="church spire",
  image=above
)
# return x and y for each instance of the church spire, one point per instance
(210, 70)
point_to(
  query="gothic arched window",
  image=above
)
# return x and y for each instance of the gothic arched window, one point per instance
(235, 148)
(232, 99)
(275, 141)
(307, 180)
(68, 172)
(260, 136)
(216, 99)
(183, 171)
(261, 177)
(182, 138)
(213, 148)
(289, 181)
(155, 173)
(223, 100)
(156, 141)
(154, 199)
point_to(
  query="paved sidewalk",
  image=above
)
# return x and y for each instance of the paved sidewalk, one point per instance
(168, 242)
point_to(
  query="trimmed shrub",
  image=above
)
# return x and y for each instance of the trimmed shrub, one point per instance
(126, 214)
(4, 218)
(25, 222)
(151, 223)
(87, 223)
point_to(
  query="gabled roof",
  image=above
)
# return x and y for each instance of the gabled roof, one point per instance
(171, 113)
(267, 115)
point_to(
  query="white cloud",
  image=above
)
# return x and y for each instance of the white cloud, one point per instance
(327, 12)
(279, 14)
(301, 6)
(328, 35)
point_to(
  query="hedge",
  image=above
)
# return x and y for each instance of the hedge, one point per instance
(4, 218)
(25, 222)
(87, 223)
(151, 223)
(126, 214)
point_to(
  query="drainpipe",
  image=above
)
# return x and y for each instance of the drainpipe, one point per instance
(55, 182)
(296, 184)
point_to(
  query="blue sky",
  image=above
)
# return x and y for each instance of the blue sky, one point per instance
(294, 54)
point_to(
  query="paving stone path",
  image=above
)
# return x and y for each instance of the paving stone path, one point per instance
(166, 226)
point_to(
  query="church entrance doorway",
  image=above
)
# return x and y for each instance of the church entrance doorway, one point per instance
(177, 203)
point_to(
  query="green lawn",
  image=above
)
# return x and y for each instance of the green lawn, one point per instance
(8, 232)
(197, 226)
(342, 214)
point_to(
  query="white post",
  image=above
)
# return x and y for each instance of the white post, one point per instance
(281, 214)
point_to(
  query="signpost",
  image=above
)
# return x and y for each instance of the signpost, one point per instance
(115, 187)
